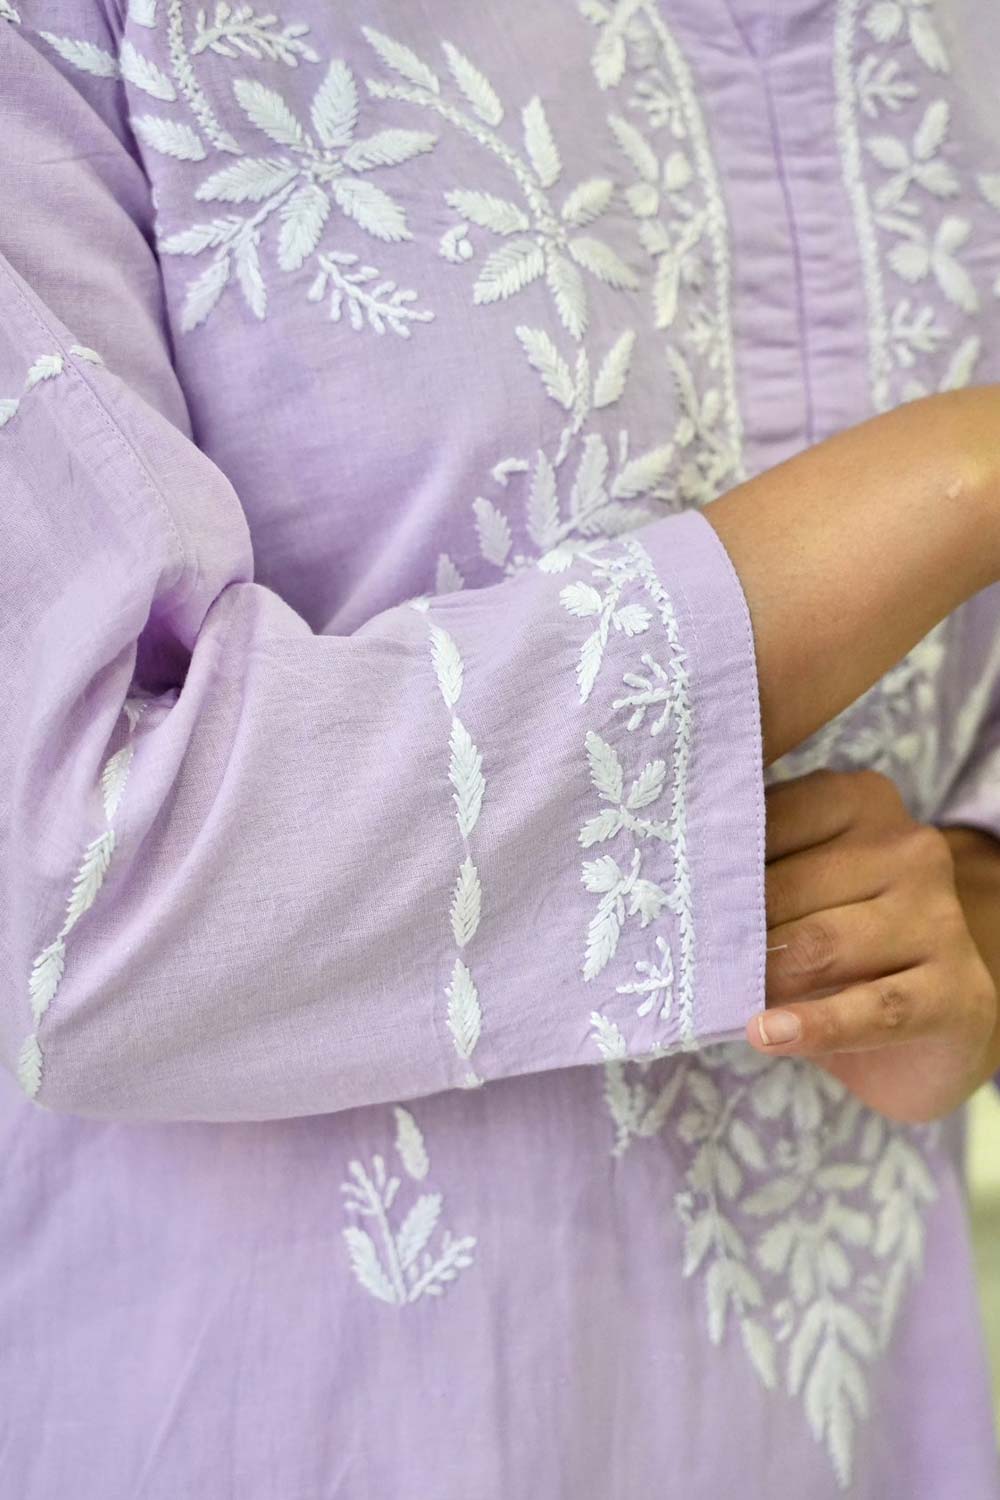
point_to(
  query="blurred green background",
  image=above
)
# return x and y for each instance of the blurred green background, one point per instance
(984, 1180)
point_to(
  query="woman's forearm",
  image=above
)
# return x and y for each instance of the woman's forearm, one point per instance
(851, 551)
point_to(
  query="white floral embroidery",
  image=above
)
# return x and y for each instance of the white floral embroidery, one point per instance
(894, 123)
(301, 186)
(48, 967)
(802, 1211)
(466, 776)
(241, 30)
(677, 205)
(398, 1267)
(624, 887)
(541, 240)
(321, 171)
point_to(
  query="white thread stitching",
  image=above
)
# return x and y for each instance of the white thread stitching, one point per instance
(464, 1017)
(47, 969)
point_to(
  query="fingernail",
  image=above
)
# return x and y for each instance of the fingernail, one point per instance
(778, 1026)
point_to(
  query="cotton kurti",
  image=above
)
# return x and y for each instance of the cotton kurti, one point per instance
(383, 807)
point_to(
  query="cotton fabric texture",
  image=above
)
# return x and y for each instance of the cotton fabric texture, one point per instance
(382, 847)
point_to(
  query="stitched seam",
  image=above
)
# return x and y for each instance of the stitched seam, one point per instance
(129, 451)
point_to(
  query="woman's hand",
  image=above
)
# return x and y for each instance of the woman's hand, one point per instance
(871, 962)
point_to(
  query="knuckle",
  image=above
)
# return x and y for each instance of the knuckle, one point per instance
(812, 948)
(928, 848)
(892, 1005)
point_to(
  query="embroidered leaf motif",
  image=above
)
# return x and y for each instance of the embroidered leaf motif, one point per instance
(603, 933)
(302, 218)
(464, 1016)
(334, 109)
(89, 877)
(204, 293)
(447, 578)
(466, 903)
(476, 88)
(601, 875)
(44, 368)
(589, 664)
(613, 373)
(145, 75)
(447, 665)
(603, 262)
(642, 474)
(538, 141)
(387, 148)
(989, 186)
(609, 1040)
(648, 784)
(248, 180)
(587, 202)
(410, 1144)
(142, 12)
(543, 505)
(962, 365)
(546, 359)
(113, 779)
(83, 55)
(465, 775)
(566, 285)
(366, 1265)
(932, 130)
(493, 530)
(200, 237)
(249, 277)
(927, 43)
(29, 1066)
(46, 973)
(370, 207)
(269, 112)
(507, 270)
(605, 767)
(169, 137)
(588, 483)
(417, 1227)
(402, 60)
(581, 599)
(488, 211)
(8, 408)
(635, 147)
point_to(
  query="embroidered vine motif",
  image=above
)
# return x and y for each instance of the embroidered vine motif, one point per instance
(322, 170)
(541, 239)
(802, 1212)
(582, 486)
(393, 1262)
(45, 367)
(49, 965)
(624, 597)
(466, 776)
(677, 206)
(894, 126)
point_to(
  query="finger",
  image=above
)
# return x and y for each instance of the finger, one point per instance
(877, 1013)
(808, 810)
(837, 873)
(837, 947)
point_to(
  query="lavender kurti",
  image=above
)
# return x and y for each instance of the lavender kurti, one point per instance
(382, 806)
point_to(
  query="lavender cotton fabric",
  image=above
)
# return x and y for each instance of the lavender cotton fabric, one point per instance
(382, 836)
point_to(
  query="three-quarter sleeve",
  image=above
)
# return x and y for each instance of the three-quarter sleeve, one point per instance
(251, 871)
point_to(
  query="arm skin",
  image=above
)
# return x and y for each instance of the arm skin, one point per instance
(852, 551)
(977, 877)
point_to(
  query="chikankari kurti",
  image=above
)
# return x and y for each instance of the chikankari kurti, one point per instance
(382, 808)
